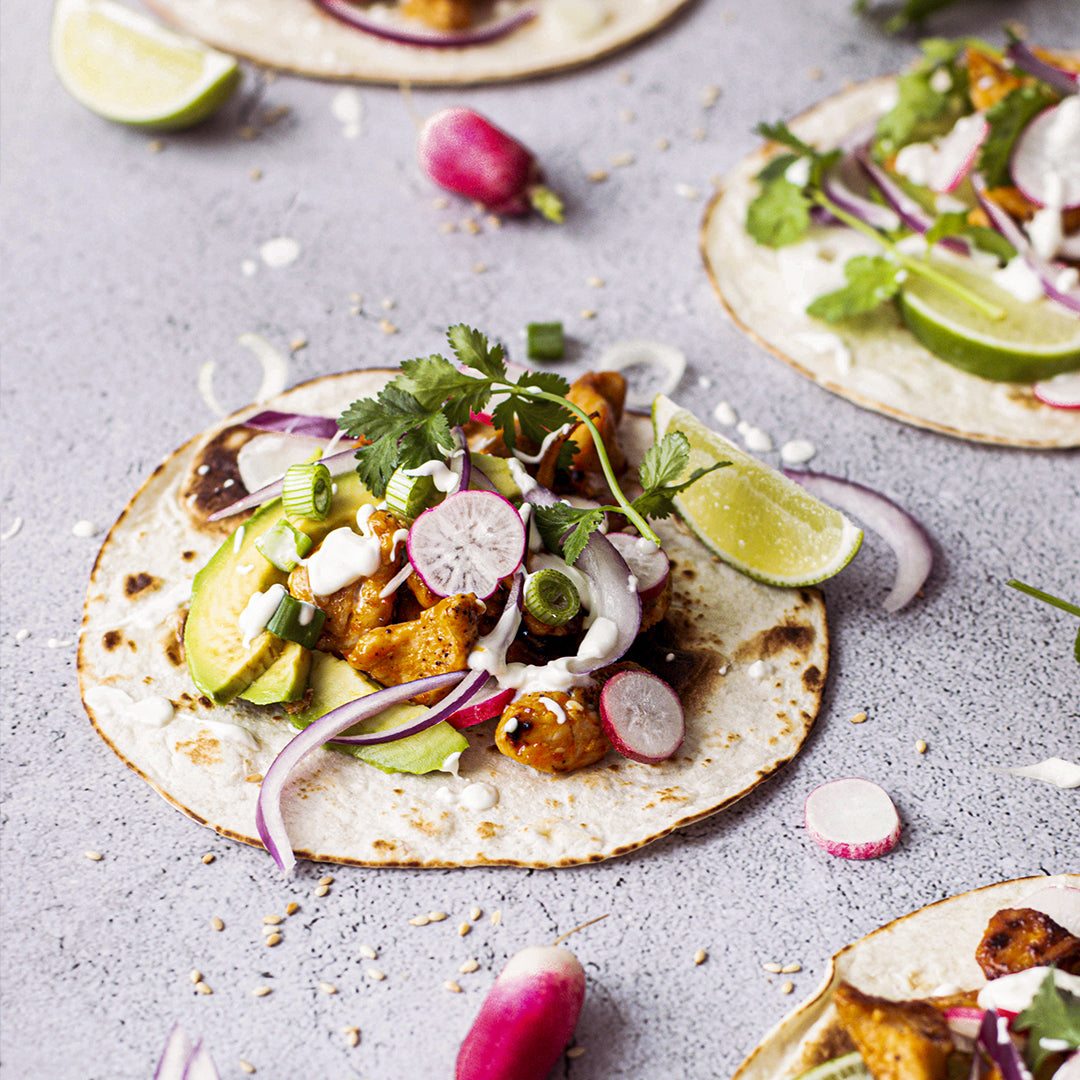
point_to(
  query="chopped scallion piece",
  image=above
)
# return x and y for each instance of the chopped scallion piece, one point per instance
(544, 341)
(297, 620)
(284, 545)
(551, 597)
(307, 490)
(406, 495)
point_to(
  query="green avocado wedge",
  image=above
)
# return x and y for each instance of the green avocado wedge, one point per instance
(285, 679)
(333, 682)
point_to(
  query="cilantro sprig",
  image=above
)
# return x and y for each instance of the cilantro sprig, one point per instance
(411, 421)
(1054, 1016)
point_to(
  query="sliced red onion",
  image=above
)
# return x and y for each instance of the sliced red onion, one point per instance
(337, 463)
(994, 1038)
(349, 13)
(845, 183)
(907, 538)
(1065, 82)
(268, 816)
(313, 427)
(175, 1056)
(650, 368)
(200, 1065)
(1046, 271)
(648, 563)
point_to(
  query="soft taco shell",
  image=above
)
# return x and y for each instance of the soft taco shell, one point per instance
(909, 957)
(884, 368)
(296, 36)
(740, 728)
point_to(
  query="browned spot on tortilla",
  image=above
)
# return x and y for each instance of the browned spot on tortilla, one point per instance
(429, 828)
(691, 672)
(213, 480)
(204, 749)
(187, 556)
(671, 795)
(111, 639)
(486, 829)
(798, 636)
(812, 679)
(174, 652)
(831, 1043)
(384, 845)
(139, 583)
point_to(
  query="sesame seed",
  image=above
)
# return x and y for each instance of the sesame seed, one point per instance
(463, 929)
(921, 746)
(298, 343)
(292, 907)
(268, 931)
(597, 175)
(859, 718)
(626, 77)
(352, 1035)
(452, 986)
(155, 146)
(327, 988)
(687, 191)
(620, 161)
(496, 917)
(596, 282)
(697, 134)
(375, 975)
(575, 1052)
(700, 956)
(436, 916)
(196, 976)
(662, 143)
(272, 940)
(709, 96)
(208, 857)
(787, 988)
(773, 968)
(217, 924)
(356, 298)
(587, 313)
(246, 1066)
(262, 991)
(419, 920)
(328, 880)
(475, 913)
(627, 116)
(815, 74)
(322, 890)
(479, 268)
(367, 952)
(447, 226)
(493, 221)
(469, 966)
(790, 969)
(471, 225)
(94, 856)
(255, 174)
(387, 327)
(253, 778)
(271, 920)
(440, 203)
(203, 988)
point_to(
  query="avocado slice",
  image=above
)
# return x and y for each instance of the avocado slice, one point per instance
(219, 663)
(284, 680)
(334, 682)
(497, 470)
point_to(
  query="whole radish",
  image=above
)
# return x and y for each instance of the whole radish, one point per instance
(466, 153)
(527, 1018)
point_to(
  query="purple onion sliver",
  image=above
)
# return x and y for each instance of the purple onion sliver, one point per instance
(837, 185)
(907, 538)
(311, 427)
(994, 1039)
(1065, 82)
(268, 816)
(348, 13)
(175, 1056)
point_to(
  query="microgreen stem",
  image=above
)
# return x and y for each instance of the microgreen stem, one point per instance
(909, 262)
(1046, 598)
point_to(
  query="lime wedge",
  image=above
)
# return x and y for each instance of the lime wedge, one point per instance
(1035, 340)
(125, 67)
(752, 516)
(848, 1067)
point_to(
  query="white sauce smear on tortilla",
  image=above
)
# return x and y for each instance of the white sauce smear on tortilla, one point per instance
(154, 711)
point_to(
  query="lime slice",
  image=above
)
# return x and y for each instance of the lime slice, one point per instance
(1035, 340)
(125, 67)
(849, 1067)
(752, 516)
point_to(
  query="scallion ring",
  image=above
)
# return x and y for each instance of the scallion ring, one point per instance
(306, 490)
(296, 620)
(551, 597)
(407, 493)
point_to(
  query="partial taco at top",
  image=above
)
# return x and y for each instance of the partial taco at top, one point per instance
(426, 42)
(985, 984)
(478, 672)
(913, 244)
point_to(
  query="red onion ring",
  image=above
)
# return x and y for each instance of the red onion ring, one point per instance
(1000, 1048)
(348, 13)
(908, 539)
(312, 427)
(840, 184)
(268, 816)
(1065, 82)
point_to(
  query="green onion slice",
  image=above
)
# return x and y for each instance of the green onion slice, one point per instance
(306, 490)
(297, 620)
(406, 495)
(284, 545)
(551, 597)
(544, 341)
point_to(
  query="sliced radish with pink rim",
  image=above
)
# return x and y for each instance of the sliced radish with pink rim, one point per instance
(647, 562)
(1060, 902)
(484, 706)
(642, 716)
(467, 544)
(1045, 165)
(852, 818)
(1062, 391)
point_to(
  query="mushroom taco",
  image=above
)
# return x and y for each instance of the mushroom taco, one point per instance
(817, 243)
(536, 784)
(984, 984)
(424, 42)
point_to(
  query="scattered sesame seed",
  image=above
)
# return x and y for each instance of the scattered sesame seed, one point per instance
(493, 221)
(587, 313)
(596, 282)
(253, 778)
(479, 268)
(626, 77)
(921, 746)
(453, 987)
(367, 952)
(662, 143)
(355, 298)
(469, 966)
(262, 991)
(620, 161)
(216, 923)
(496, 917)
(447, 226)
(272, 940)
(155, 146)
(327, 988)
(697, 134)
(419, 920)
(271, 920)
(299, 342)
(815, 74)
(790, 969)
(196, 976)
(246, 1066)
(209, 857)
(203, 988)
(292, 907)
(627, 116)
(773, 968)
(352, 1035)
(387, 327)
(471, 225)
(709, 96)
(375, 975)
(94, 856)
(859, 718)
(255, 174)
(321, 890)
(475, 913)
(597, 175)
(463, 929)
(436, 916)
(388, 303)
(787, 988)
(440, 202)
(575, 1052)
(687, 191)
(700, 956)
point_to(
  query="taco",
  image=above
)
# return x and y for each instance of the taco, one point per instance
(748, 662)
(920, 998)
(425, 42)
(822, 244)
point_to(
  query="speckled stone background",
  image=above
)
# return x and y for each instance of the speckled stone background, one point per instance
(123, 273)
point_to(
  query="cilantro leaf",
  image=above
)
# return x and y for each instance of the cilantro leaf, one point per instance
(565, 528)
(436, 383)
(1007, 118)
(472, 349)
(1054, 1013)
(782, 134)
(779, 215)
(985, 239)
(665, 461)
(871, 280)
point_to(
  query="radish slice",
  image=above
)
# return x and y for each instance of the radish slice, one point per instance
(484, 706)
(527, 1018)
(467, 543)
(347, 12)
(852, 818)
(647, 562)
(642, 716)
(1060, 902)
(907, 538)
(1045, 165)
(650, 368)
(1062, 391)
(964, 1022)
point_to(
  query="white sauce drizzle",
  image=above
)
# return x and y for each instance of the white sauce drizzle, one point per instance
(556, 708)
(258, 612)
(342, 558)
(396, 581)
(1013, 993)
(549, 438)
(274, 364)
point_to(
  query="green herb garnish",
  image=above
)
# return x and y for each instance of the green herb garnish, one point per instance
(1007, 118)
(411, 421)
(1053, 1015)
(1054, 601)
